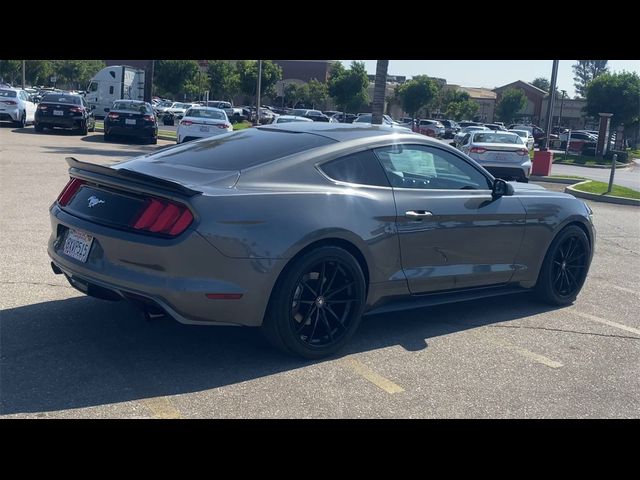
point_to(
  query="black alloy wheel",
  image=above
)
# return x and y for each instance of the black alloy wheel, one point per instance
(317, 305)
(565, 267)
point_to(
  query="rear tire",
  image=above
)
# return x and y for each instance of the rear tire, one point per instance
(153, 140)
(83, 128)
(107, 137)
(93, 128)
(38, 128)
(565, 267)
(316, 305)
(22, 122)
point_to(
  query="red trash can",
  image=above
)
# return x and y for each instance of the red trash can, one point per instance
(542, 163)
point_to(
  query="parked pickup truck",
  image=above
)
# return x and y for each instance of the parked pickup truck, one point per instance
(234, 114)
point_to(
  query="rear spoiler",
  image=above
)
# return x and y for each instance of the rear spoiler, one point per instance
(76, 166)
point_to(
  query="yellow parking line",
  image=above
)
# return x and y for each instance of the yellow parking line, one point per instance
(161, 407)
(605, 321)
(378, 380)
(536, 357)
(628, 290)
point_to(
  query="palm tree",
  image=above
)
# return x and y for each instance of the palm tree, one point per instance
(379, 91)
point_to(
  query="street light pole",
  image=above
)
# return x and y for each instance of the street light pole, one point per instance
(24, 67)
(564, 92)
(552, 90)
(258, 91)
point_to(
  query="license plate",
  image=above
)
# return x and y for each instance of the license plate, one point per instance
(204, 129)
(77, 245)
(58, 113)
(130, 121)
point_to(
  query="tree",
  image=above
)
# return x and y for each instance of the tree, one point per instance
(196, 85)
(172, 76)
(617, 93)
(379, 89)
(511, 102)
(349, 87)
(224, 80)
(416, 93)
(295, 93)
(75, 73)
(248, 74)
(11, 71)
(38, 72)
(585, 71)
(542, 83)
(317, 93)
(457, 104)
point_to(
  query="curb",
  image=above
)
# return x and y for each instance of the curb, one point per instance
(566, 181)
(619, 166)
(599, 197)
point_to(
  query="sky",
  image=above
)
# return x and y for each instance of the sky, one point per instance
(492, 73)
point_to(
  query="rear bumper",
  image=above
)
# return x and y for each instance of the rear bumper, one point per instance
(10, 115)
(141, 132)
(185, 135)
(507, 169)
(60, 122)
(174, 274)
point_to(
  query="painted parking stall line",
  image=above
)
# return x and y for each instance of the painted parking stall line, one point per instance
(604, 321)
(528, 354)
(370, 375)
(161, 407)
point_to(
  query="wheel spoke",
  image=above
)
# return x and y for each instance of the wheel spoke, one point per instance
(335, 316)
(574, 280)
(305, 319)
(325, 322)
(321, 279)
(305, 284)
(344, 287)
(570, 247)
(558, 276)
(306, 302)
(335, 273)
(315, 325)
(343, 300)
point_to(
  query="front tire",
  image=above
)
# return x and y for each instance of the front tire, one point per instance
(316, 305)
(565, 267)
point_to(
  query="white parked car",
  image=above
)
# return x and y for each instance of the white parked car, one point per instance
(201, 122)
(16, 106)
(457, 138)
(526, 137)
(504, 154)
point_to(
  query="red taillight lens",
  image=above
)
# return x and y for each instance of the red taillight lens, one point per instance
(186, 123)
(522, 152)
(113, 116)
(223, 125)
(164, 217)
(477, 150)
(10, 102)
(42, 107)
(69, 191)
(149, 118)
(76, 109)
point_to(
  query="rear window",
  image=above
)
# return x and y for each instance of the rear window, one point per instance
(495, 137)
(8, 93)
(242, 149)
(132, 107)
(202, 113)
(58, 98)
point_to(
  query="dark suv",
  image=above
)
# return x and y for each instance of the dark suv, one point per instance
(64, 110)
(131, 118)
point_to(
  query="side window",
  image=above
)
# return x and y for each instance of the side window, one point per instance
(93, 87)
(362, 168)
(111, 90)
(466, 138)
(420, 166)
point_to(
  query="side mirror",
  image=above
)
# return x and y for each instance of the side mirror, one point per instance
(501, 188)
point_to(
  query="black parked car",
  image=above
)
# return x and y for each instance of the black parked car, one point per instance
(450, 128)
(131, 118)
(64, 110)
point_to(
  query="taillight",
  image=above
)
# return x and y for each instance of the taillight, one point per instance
(42, 107)
(522, 152)
(113, 116)
(477, 150)
(161, 216)
(186, 123)
(10, 102)
(223, 125)
(69, 191)
(149, 118)
(76, 109)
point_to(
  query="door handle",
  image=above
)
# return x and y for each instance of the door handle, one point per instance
(418, 214)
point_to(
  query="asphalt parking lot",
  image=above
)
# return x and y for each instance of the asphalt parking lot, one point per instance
(65, 355)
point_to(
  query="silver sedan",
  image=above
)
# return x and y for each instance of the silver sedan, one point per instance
(504, 154)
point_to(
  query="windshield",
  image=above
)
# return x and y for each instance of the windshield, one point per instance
(521, 133)
(203, 113)
(8, 93)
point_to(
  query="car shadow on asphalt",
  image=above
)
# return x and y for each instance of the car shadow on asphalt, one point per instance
(83, 352)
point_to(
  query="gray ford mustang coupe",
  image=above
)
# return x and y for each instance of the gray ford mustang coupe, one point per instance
(300, 228)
